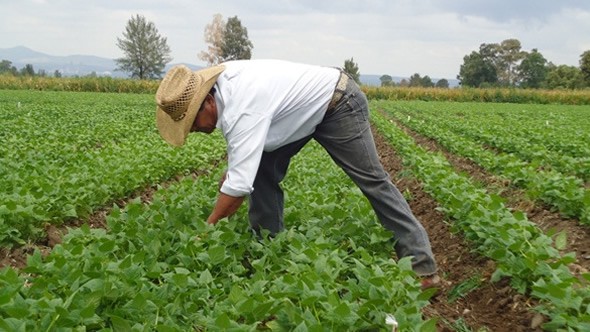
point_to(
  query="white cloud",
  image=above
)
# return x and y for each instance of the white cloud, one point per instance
(396, 37)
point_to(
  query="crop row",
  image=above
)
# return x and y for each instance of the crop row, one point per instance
(161, 267)
(550, 136)
(565, 193)
(65, 154)
(521, 250)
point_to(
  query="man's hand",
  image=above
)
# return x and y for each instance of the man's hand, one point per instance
(226, 206)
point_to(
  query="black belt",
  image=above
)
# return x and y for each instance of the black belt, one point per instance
(338, 91)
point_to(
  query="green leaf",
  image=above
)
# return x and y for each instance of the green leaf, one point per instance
(236, 294)
(429, 326)
(13, 324)
(119, 324)
(427, 294)
(107, 246)
(70, 211)
(262, 310)
(205, 277)
(247, 306)
(94, 284)
(342, 311)
(561, 241)
(5, 296)
(216, 254)
(88, 312)
(17, 311)
(223, 321)
(301, 328)
(180, 280)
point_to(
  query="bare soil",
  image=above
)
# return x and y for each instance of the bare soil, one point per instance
(491, 306)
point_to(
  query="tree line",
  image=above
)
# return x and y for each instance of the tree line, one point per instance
(146, 52)
(505, 64)
(415, 81)
(6, 67)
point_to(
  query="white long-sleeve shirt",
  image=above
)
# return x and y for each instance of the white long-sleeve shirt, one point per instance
(263, 105)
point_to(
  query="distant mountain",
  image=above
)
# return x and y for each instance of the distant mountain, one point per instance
(81, 65)
(71, 65)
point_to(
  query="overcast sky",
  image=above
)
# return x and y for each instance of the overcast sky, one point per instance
(395, 37)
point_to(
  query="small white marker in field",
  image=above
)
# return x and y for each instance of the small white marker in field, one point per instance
(18, 105)
(390, 320)
(409, 117)
(547, 123)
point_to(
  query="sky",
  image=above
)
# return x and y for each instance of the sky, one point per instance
(393, 37)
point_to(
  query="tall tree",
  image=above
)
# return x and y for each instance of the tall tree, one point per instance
(386, 80)
(565, 77)
(6, 67)
(214, 32)
(236, 45)
(477, 70)
(533, 69)
(585, 67)
(426, 82)
(146, 53)
(415, 80)
(27, 70)
(227, 41)
(509, 56)
(353, 70)
(442, 83)
(490, 54)
(503, 58)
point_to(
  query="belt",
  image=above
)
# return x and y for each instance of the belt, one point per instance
(338, 91)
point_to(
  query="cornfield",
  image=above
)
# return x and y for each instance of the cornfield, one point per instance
(495, 95)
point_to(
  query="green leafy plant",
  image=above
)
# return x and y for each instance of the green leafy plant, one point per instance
(464, 288)
(521, 250)
(161, 267)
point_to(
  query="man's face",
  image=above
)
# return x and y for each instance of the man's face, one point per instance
(206, 118)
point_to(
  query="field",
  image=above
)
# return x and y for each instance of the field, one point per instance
(102, 224)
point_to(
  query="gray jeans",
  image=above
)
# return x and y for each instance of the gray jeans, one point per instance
(346, 135)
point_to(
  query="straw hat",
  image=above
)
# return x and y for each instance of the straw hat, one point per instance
(179, 98)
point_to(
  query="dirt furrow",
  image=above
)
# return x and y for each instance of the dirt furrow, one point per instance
(493, 306)
(578, 235)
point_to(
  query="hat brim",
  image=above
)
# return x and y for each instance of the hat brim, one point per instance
(175, 132)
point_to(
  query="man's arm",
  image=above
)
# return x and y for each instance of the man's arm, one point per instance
(226, 206)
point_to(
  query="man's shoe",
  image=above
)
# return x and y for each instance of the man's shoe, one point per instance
(428, 282)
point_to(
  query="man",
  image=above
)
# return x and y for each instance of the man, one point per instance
(267, 111)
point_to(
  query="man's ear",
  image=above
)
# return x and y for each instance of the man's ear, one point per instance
(208, 98)
(212, 100)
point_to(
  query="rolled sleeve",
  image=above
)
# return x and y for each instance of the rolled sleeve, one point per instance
(228, 189)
